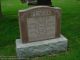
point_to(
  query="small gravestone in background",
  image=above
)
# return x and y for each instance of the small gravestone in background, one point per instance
(40, 32)
(44, 2)
(37, 2)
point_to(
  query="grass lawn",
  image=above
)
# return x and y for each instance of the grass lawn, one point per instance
(70, 27)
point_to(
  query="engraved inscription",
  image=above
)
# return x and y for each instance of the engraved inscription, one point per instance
(40, 12)
(41, 24)
(41, 28)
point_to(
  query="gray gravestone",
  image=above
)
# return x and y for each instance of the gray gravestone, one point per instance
(40, 24)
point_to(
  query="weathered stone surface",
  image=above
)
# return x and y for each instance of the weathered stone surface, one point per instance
(39, 23)
(40, 48)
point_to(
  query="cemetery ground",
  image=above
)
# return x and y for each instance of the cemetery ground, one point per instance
(70, 27)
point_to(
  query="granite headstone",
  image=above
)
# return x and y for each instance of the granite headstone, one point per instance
(39, 23)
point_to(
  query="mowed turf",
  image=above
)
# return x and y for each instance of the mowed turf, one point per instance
(70, 28)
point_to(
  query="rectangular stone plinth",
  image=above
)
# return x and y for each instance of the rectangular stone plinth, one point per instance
(40, 48)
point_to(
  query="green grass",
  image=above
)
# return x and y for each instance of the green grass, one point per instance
(70, 27)
(9, 29)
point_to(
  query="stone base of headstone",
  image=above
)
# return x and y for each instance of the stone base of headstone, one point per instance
(40, 48)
